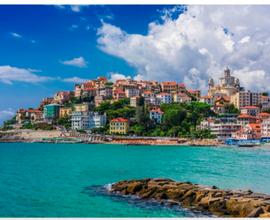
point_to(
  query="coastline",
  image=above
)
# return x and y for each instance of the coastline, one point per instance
(41, 136)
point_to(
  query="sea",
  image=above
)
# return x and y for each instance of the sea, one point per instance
(71, 180)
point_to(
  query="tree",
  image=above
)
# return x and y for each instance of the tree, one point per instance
(231, 109)
(64, 121)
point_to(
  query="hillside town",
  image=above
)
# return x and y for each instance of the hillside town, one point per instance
(150, 108)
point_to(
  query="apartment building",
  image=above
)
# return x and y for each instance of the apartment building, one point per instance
(65, 112)
(51, 111)
(265, 128)
(250, 110)
(156, 115)
(245, 98)
(119, 126)
(168, 87)
(87, 120)
(165, 98)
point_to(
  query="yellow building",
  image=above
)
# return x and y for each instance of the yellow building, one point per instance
(84, 107)
(245, 98)
(119, 126)
(65, 111)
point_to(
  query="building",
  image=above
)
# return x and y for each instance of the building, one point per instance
(148, 94)
(245, 98)
(136, 101)
(250, 110)
(245, 119)
(118, 94)
(87, 120)
(265, 128)
(181, 97)
(207, 99)
(132, 92)
(156, 115)
(29, 115)
(62, 97)
(106, 92)
(51, 111)
(229, 85)
(119, 126)
(195, 93)
(168, 87)
(78, 91)
(249, 131)
(98, 100)
(83, 107)
(265, 103)
(181, 88)
(65, 112)
(263, 115)
(165, 98)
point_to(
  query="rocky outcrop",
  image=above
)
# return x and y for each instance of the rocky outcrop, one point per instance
(211, 199)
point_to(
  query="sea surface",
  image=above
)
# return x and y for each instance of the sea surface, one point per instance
(68, 180)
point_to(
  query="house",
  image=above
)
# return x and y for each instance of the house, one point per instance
(181, 98)
(89, 92)
(119, 126)
(265, 128)
(165, 98)
(64, 112)
(195, 93)
(181, 88)
(265, 103)
(99, 99)
(168, 87)
(249, 131)
(207, 99)
(30, 115)
(87, 120)
(136, 101)
(51, 111)
(78, 91)
(263, 115)
(250, 110)
(82, 107)
(118, 94)
(63, 96)
(219, 104)
(132, 92)
(245, 119)
(148, 94)
(106, 92)
(156, 115)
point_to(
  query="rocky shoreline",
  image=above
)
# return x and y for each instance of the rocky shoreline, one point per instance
(224, 203)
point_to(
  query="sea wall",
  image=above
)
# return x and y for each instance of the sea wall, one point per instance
(219, 202)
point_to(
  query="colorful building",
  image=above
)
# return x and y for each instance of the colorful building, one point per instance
(119, 126)
(168, 87)
(51, 111)
(65, 112)
(82, 107)
(156, 115)
(87, 120)
(250, 110)
(165, 98)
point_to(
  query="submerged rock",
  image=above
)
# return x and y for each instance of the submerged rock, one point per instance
(211, 199)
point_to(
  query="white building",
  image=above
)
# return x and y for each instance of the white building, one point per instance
(181, 98)
(156, 115)
(131, 92)
(265, 128)
(165, 98)
(87, 120)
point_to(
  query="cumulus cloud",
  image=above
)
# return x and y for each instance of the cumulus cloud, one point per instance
(115, 76)
(77, 61)
(9, 74)
(73, 8)
(74, 80)
(16, 35)
(197, 44)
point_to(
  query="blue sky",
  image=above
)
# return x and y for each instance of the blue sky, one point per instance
(44, 49)
(41, 38)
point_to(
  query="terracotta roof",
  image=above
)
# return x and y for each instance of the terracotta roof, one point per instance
(119, 120)
(34, 111)
(157, 110)
(264, 114)
(89, 89)
(206, 97)
(249, 107)
(147, 92)
(169, 83)
(163, 93)
(246, 116)
(181, 85)
(119, 91)
(255, 126)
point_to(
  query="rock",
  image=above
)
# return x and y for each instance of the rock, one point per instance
(212, 199)
(256, 212)
(265, 215)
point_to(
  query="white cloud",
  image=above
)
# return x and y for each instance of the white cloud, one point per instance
(77, 61)
(16, 35)
(197, 45)
(74, 80)
(116, 76)
(9, 74)
(73, 8)
(4, 114)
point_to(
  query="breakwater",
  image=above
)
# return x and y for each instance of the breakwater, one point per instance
(203, 198)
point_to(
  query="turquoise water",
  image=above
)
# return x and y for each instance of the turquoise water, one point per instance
(65, 180)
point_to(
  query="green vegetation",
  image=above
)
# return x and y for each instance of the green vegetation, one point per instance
(39, 126)
(8, 124)
(65, 121)
(231, 109)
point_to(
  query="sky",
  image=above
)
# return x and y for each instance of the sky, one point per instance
(45, 49)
